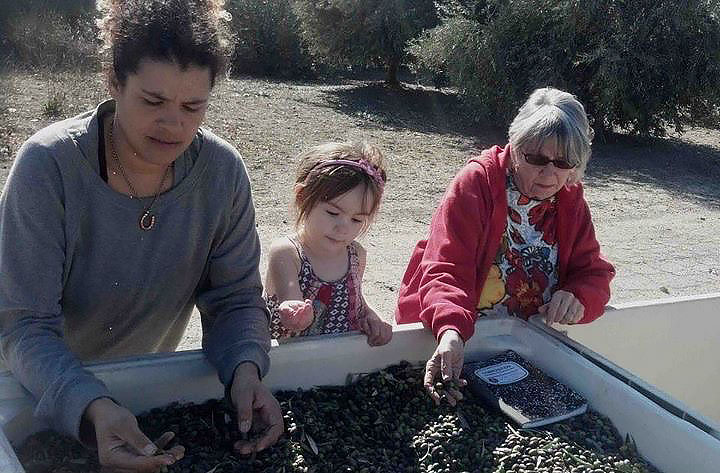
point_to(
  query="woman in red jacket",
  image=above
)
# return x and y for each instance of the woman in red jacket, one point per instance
(512, 236)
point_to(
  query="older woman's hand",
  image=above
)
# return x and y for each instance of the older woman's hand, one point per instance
(448, 362)
(563, 308)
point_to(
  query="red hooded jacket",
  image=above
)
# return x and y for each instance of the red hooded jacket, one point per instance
(446, 272)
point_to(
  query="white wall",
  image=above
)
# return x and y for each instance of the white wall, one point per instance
(673, 344)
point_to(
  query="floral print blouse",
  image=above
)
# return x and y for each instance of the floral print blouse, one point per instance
(524, 273)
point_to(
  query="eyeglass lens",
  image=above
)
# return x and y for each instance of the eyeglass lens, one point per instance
(540, 160)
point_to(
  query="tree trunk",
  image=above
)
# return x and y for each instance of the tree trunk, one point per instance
(392, 71)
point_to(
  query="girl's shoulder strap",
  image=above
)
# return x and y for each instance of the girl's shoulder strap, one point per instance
(298, 246)
(354, 253)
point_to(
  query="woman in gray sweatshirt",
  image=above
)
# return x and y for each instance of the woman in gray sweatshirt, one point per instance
(115, 223)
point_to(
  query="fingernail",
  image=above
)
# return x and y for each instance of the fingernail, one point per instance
(149, 450)
(244, 426)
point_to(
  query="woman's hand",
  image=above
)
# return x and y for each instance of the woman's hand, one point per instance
(377, 330)
(448, 361)
(257, 410)
(563, 308)
(296, 316)
(122, 447)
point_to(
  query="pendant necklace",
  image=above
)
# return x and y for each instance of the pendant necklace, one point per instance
(147, 218)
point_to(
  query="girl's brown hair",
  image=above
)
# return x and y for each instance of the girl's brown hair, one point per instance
(318, 179)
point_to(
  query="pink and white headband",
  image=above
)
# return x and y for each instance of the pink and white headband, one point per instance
(362, 164)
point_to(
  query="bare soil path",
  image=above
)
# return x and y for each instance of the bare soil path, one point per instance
(655, 204)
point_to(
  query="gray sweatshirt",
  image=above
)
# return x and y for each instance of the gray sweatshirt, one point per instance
(79, 280)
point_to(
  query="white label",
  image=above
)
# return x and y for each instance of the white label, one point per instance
(502, 373)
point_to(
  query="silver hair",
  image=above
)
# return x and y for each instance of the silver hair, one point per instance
(551, 114)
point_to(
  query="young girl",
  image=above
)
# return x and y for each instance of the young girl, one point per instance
(314, 277)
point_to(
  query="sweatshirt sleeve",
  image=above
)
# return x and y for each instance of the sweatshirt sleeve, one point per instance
(234, 315)
(448, 285)
(588, 272)
(32, 264)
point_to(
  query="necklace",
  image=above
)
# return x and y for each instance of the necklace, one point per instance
(147, 219)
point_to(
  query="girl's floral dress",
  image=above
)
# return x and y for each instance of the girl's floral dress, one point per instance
(337, 304)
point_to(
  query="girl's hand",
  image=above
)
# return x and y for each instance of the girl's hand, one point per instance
(296, 316)
(563, 308)
(447, 361)
(377, 330)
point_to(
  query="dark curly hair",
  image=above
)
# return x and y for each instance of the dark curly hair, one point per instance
(187, 32)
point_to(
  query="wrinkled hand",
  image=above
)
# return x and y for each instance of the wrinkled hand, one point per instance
(377, 330)
(448, 362)
(258, 411)
(563, 308)
(122, 447)
(296, 316)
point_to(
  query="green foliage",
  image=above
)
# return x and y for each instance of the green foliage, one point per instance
(364, 33)
(69, 8)
(635, 65)
(55, 104)
(659, 66)
(268, 39)
(50, 41)
(49, 35)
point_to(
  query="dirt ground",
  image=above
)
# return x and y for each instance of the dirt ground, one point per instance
(655, 203)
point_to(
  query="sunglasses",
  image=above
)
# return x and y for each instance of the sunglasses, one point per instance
(540, 160)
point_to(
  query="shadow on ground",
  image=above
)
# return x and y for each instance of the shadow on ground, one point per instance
(686, 170)
(415, 108)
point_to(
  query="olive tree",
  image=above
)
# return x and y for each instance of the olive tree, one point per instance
(367, 32)
(637, 66)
